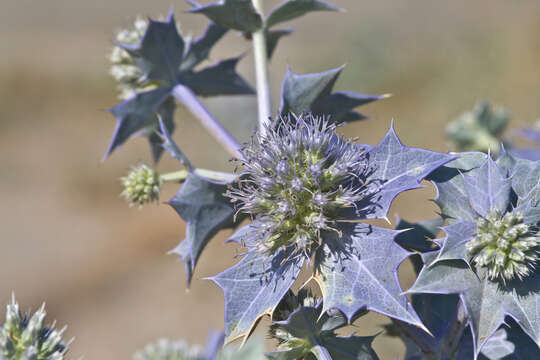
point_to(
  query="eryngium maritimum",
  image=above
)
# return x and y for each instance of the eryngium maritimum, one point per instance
(25, 336)
(505, 245)
(295, 179)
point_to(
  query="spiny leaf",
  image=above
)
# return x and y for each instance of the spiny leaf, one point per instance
(199, 49)
(526, 181)
(451, 197)
(488, 188)
(135, 114)
(453, 245)
(509, 343)
(291, 9)
(201, 204)
(218, 79)
(254, 287)
(359, 271)
(487, 302)
(160, 52)
(232, 14)
(397, 168)
(166, 115)
(312, 93)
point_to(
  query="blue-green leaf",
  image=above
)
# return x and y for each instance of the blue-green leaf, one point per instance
(419, 236)
(166, 116)
(201, 204)
(169, 145)
(312, 93)
(358, 270)
(136, 114)
(254, 287)
(291, 9)
(272, 39)
(198, 49)
(160, 52)
(232, 14)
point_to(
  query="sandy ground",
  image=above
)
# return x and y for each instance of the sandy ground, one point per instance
(68, 239)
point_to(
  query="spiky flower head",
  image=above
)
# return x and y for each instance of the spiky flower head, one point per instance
(123, 69)
(165, 349)
(297, 175)
(25, 337)
(505, 245)
(141, 185)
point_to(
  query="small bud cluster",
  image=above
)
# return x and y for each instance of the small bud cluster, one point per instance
(165, 349)
(505, 245)
(124, 70)
(296, 176)
(23, 337)
(141, 185)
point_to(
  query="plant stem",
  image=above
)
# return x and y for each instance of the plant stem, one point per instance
(264, 98)
(179, 176)
(214, 127)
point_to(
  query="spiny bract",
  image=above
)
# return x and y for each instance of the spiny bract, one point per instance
(141, 185)
(24, 337)
(296, 176)
(505, 245)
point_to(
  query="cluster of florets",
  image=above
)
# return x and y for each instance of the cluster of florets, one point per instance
(25, 337)
(124, 70)
(141, 185)
(505, 245)
(296, 176)
(165, 349)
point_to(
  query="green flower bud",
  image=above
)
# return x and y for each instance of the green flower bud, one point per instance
(141, 185)
(505, 245)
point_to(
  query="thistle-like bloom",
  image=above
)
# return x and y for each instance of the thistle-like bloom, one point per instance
(165, 349)
(123, 69)
(25, 337)
(505, 245)
(297, 175)
(141, 185)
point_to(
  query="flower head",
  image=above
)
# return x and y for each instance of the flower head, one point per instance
(25, 336)
(295, 179)
(123, 69)
(141, 185)
(505, 245)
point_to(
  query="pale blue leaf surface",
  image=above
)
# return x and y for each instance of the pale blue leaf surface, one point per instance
(526, 181)
(202, 205)
(232, 14)
(452, 198)
(488, 188)
(397, 168)
(359, 271)
(291, 9)
(453, 245)
(487, 302)
(254, 287)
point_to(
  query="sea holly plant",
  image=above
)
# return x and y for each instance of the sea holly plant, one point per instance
(302, 199)
(489, 255)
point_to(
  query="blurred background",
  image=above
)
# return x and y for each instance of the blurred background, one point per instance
(66, 236)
